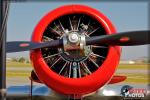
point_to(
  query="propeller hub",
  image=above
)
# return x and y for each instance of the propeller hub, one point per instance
(75, 48)
(73, 38)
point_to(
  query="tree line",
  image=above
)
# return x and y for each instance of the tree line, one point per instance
(21, 60)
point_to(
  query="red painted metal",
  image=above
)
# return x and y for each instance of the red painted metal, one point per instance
(24, 45)
(117, 79)
(124, 39)
(82, 85)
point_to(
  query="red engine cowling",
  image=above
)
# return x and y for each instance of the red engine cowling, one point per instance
(74, 72)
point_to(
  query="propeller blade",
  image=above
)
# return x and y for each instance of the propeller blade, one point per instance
(121, 39)
(17, 46)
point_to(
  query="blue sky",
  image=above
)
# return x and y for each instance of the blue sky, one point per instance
(126, 16)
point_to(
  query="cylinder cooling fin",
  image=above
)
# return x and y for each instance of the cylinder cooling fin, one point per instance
(74, 71)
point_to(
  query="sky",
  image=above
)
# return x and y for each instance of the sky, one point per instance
(126, 16)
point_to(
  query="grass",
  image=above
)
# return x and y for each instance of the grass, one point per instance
(121, 66)
(137, 81)
(131, 78)
(14, 74)
(134, 66)
(18, 73)
(18, 64)
(136, 78)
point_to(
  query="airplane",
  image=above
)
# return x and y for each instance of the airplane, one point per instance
(75, 50)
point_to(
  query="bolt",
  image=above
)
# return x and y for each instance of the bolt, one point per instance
(73, 38)
(74, 64)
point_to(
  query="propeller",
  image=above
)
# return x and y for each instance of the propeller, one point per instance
(121, 39)
(17, 46)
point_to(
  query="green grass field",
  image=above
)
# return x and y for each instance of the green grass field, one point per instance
(134, 66)
(17, 64)
(121, 66)
(134, 78)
